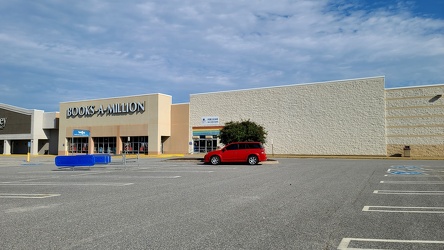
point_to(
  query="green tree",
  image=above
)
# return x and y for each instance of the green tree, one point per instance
(242, 132)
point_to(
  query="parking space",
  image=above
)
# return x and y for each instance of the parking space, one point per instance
(407, 190)
(373, 244)
(296, 204)
(42, 180)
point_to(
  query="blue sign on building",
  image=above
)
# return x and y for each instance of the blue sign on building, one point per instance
(81, 132)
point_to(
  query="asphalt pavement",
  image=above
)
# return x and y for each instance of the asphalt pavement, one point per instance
(155, 203)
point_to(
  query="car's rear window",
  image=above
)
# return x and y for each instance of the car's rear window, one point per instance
(255, 145)
(232, 147)
(249, 145)
(236, 146)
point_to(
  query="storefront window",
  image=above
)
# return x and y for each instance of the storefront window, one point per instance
(135, 144)
(78, 145)
(104, 145)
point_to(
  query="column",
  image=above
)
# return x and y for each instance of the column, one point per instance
(7, 147)
(34, 147)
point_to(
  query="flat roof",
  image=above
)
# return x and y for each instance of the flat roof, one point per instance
(290, 85)
(420, 86)
(117, 97)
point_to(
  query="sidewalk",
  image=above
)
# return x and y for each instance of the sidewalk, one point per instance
(200, 156)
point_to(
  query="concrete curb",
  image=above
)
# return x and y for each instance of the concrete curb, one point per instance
(200, 156)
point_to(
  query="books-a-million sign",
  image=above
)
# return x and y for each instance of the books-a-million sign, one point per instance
(116, 108)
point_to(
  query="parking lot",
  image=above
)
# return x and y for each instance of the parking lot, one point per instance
(165, 204)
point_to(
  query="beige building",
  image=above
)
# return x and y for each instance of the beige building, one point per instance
(144, 124)
(415, 118)
(27, 130)
(330, 118)
(346, 117)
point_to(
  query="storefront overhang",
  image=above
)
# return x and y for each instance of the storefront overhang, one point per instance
(206, 130)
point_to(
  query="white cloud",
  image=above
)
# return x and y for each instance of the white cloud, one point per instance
(183, 47)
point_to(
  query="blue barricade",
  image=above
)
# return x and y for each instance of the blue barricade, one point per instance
(102, 158)
(75, 161)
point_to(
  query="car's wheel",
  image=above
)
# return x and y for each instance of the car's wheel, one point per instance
(215, 160)
(253, 160)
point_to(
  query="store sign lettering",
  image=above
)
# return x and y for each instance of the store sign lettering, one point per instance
(2, 123)
(210, 120)
(116, 108)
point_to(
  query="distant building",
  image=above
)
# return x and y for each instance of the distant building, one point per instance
(330, 118)
(415, 117)
(142, 124)
(346, 117)
(27, 130)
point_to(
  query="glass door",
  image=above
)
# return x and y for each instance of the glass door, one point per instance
(205, 144)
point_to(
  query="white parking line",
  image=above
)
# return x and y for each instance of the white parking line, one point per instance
(162, 177)
(91, 173)
(433, 170)
(408, 192)
(63, 184)
(28, 196)
(174, 171)
(414, 182)
(183, 168)
(394, 209)
(346, 242)
(30, 209)
(33, 179)
(414, 176)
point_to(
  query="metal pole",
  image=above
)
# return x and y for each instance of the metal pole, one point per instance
(272, 147)
(28, 158)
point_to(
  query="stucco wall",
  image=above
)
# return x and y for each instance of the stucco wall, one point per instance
(415, 117)
(153, 122)
(331, 118)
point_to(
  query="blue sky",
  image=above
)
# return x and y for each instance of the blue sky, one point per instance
(54, 51)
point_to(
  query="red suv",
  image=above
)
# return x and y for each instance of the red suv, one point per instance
(250, 152)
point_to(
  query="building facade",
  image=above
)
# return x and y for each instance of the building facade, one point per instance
(346, 117)
(415, 118)
(330, 118)
(25, 131)
(144, 124)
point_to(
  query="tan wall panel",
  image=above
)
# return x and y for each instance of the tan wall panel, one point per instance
(104, 131)
(164, 116)
(134, 130)
(159, 124)
(180, 130)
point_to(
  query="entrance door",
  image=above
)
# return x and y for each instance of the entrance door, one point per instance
(205, 144)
